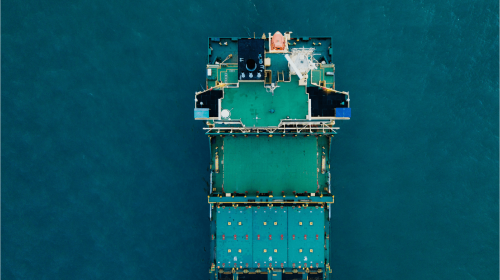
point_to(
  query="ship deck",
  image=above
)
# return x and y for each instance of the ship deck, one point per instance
(267, 164)
(270, 184)
(252, 104)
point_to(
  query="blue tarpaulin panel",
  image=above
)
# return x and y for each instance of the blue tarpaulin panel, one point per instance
(343, 112)
(201, 113)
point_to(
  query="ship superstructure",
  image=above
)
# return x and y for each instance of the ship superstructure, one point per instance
(270, 107)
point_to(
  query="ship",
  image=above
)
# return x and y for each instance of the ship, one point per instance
(270, 107)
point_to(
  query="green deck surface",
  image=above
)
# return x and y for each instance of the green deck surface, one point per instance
(227, 74)
(258, 156)
(323, 178)
(223, 50)
(270, 164)
(216, 149)
(251, 101)
(210, 84)
(278, 63)
(320, 75)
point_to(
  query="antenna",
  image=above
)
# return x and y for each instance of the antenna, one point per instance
(257, 118)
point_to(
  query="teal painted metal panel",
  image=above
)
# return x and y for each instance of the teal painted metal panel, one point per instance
(282, 232)
(270, 234)
(306, 232)
(234, 231)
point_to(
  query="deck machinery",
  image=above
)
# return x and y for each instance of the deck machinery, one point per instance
(270, 107)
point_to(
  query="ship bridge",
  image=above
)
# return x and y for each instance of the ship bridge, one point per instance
(270, 107)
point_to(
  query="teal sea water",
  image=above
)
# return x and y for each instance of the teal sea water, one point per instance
(104, 170)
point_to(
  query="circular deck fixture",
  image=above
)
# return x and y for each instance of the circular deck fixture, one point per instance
(225, 114)
(251, 65)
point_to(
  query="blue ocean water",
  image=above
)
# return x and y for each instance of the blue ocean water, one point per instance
(104, 170)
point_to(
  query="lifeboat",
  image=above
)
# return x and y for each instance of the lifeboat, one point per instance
(278, 42)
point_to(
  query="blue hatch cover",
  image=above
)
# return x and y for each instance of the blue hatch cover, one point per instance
(343, 112)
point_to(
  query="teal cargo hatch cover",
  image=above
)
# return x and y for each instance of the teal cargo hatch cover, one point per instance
(269, 236)
(262, 237)
(234, 242)
(306, 236)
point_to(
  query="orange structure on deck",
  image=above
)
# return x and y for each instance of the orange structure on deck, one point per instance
(277, 42)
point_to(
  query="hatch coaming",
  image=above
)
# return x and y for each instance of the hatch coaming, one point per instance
(281, 166)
